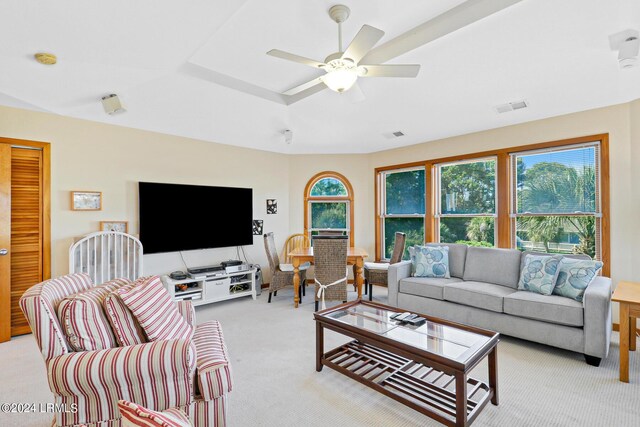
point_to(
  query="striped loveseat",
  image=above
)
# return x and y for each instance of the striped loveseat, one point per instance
(193, 375)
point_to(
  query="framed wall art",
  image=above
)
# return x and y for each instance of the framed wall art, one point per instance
(121, 226)
(86, 200)
(257, 227)
(272, 206)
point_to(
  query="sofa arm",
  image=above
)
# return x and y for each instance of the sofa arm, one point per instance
(597, 317)
(157, 375)
(397, 272)
(187, 311)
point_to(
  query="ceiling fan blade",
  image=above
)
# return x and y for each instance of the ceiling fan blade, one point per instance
(304, 86)
(295, 58)
(390, 70)
(363, 42)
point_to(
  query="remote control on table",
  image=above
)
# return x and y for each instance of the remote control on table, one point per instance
(417, 320)
(401, 316)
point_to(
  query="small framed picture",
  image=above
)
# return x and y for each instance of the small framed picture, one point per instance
(86, 200)
(257, 227)
(272, 206)
(121, 226)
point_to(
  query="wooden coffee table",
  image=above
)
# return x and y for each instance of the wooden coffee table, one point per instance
(425, 367)
(628, 295)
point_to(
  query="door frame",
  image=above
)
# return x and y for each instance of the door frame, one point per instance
(5, 294)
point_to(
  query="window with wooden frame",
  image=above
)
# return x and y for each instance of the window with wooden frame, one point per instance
(556, 200)
(552, 196)
(402, 207)
(328, 205)
(466, 201)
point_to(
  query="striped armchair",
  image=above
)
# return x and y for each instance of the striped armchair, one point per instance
(193, 375)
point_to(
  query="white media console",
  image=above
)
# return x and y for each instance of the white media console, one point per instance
(214, 287)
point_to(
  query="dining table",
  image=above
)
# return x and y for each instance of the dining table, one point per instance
(355, 256)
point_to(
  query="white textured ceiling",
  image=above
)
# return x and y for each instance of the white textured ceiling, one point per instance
(198, 68)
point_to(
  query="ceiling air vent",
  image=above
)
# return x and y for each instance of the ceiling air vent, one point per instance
(511, 106)
(398, 134)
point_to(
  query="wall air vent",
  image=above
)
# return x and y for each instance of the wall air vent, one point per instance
(511, 106)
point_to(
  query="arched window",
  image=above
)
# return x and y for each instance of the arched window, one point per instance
(328, 205)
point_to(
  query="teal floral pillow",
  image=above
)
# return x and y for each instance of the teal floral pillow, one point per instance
(574, 276)
(430, 261)
(539, 273)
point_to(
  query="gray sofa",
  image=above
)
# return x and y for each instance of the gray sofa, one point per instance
(483, 292)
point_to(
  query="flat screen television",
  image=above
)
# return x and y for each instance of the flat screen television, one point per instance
(177, 217)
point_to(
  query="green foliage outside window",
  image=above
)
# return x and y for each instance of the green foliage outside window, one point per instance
(328, 215)
(468, 188)
(329, 187)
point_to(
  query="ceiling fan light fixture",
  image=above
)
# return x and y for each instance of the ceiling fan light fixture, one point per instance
(341, 80)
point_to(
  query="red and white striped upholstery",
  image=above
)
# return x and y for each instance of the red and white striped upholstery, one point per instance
(39, 304)
(134, 415)
(124, 325)
(185, 308)
(83, 319)
(157, 375)
(214, 370)
(156, 312)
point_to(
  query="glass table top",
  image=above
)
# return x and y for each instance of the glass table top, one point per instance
(436, 338)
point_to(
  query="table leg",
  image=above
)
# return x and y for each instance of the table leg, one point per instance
(632, 334)
(493, 374)
(319, 346)
(296, 281)
(461, 399)
(359, 278)
(624, 342)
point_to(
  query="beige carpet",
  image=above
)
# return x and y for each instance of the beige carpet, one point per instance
(272, 348)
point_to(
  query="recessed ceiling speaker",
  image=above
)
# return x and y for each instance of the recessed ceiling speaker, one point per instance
(112, 104)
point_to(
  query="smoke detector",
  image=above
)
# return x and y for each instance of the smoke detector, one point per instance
(112, 105)
(511, 106)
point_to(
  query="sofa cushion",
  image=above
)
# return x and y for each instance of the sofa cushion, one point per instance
(488, 296)
(492, 265)
(429, 261)
(574, 276)
(156, 312)
(125, 327)
(548, 308)
(539, 273)
(457, 257)
(430, 287)
(84, 321)
(212, 363)
(536, 253)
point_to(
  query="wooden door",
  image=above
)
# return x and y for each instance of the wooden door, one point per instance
(24, 228)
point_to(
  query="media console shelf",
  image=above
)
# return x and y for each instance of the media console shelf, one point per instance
(213, 288)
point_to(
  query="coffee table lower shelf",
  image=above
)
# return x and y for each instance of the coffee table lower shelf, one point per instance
(418, 386)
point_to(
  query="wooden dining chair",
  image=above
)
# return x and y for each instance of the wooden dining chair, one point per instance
(295, 241)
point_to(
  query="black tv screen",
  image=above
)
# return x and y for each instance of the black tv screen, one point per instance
(177, 217)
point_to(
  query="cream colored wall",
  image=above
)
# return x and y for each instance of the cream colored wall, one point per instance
(624, 152)
(92, 156)
(111, 159)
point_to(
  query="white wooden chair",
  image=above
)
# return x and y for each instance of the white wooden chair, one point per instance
(107, 255)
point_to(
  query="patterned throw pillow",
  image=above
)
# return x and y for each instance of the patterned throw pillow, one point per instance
(574, 276)
(124, 325)
(136, 415)
(539, 273)
(157, 313)
(430, 261)
(83, 318)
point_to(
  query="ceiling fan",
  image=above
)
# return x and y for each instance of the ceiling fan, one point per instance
(343, 68)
